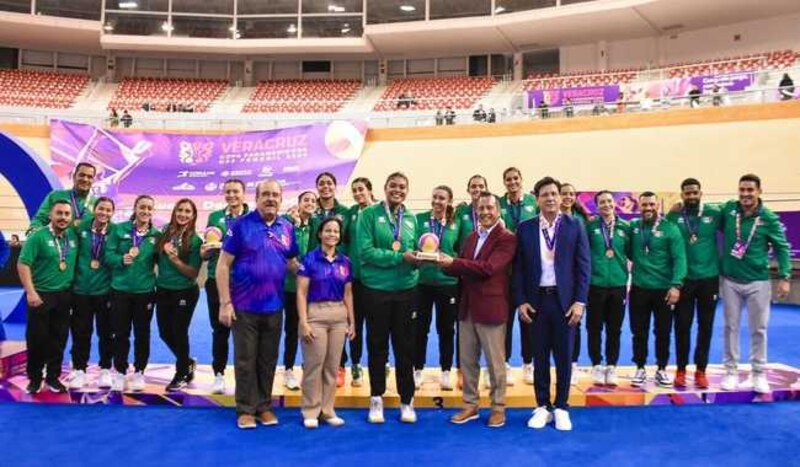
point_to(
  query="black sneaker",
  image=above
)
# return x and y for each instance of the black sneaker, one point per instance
(178, 382)
(56, 386)
(34, 386)
(192, 367)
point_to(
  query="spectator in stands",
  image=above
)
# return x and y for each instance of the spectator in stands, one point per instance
(146, 107)
(410, 99)
(113, 118)
(694, 97)
(5, 251)
(14, 242)
(479, 115)
(621, 103)
(716, 96)
(126, 119)
(450, 116)
(439, 118)
(491, 117)
(569, 109)
(786, 87)
(544, 110)
(190, 107)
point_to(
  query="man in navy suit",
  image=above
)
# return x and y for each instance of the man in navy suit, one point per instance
(551, 283)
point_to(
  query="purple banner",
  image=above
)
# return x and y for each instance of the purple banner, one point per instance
(730, 82)
(171, 166)
(578, 96)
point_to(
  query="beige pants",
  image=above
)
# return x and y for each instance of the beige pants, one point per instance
(472, 339)
(328, 322)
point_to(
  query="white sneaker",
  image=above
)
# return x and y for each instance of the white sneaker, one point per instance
(375, 410)
(219, 384)
(446, 384)
(639, 378)
(487, 380)
(509, 376)
(118, 383)
(77, 379)
(663, 379)
(730, 382)
(137, 382)
(574, 379)
(105, 380)
(760, 384)
(407, 413)
(310, 423)
(598, 375)
(290, 380)
(563, 423)
(611, 375)
(541, 417)
(334, 421)
(527, 373)
(417, 378)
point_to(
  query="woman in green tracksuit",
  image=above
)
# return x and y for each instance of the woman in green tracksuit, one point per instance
(387, 233)
(306, 204)
(131, 254)
(179, 262)
(436, 287)
(467, 213)
(362, 195)
(328, 206)
(609, 240)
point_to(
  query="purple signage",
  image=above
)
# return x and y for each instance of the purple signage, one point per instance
(171, 166)
(578, 96)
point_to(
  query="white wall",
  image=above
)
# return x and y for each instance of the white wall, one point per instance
(347, 70)
(756, 36)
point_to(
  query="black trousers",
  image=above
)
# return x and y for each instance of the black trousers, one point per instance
(220, 333)
(606, 310)
(552, 336)
(645, 303)
(46, 334)
(291, 322)
(703, 294)
(256, 339)
(131, 310)
(391, 315)
(445, 297)
(86, 309)
(357, 344)
(576, 347)
(174, 311)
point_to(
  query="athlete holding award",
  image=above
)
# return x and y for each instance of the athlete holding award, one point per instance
(439, 233)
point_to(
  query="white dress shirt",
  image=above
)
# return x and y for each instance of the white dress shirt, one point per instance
(483, 234)
(548, 278)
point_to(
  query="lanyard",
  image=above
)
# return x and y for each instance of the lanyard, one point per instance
(397, 228)
(551, 242)
(648, 236)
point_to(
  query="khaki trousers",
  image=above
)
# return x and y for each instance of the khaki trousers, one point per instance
(489, 338)
(328, 322)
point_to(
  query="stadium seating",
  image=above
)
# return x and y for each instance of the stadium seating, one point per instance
(435, 93)
(301, 96)
(580, 79)
(24, 88)
(159, 93)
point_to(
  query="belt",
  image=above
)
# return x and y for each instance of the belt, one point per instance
(551, 290)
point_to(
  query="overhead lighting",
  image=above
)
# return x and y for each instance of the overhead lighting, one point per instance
(128, 5)
(108, 28)
(232, 28)
(345, 30)
(166, 27)
(499, 10)
(336, 9)
(291, 29)
(408, 8)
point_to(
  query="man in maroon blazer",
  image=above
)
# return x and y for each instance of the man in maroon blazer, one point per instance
(482, 268)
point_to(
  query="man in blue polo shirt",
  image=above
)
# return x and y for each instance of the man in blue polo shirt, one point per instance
(256, 254)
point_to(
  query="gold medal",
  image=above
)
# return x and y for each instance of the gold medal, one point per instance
(609, 253)
(396, 245)
(169, 248)
(134, 251)
(693, 239)
(76, 222)
(95, 264)
(550, 254)
(62, 265)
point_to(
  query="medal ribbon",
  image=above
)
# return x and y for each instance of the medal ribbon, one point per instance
(608, 232)
(98, 241)
(397, 228)
(63, 250)
(135, 237)
(551, 242)
(746, 245)
(688, 220)
(436, 227)
(647, 236)
(76, 206)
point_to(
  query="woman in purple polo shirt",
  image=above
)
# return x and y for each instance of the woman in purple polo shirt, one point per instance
(325, 309)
